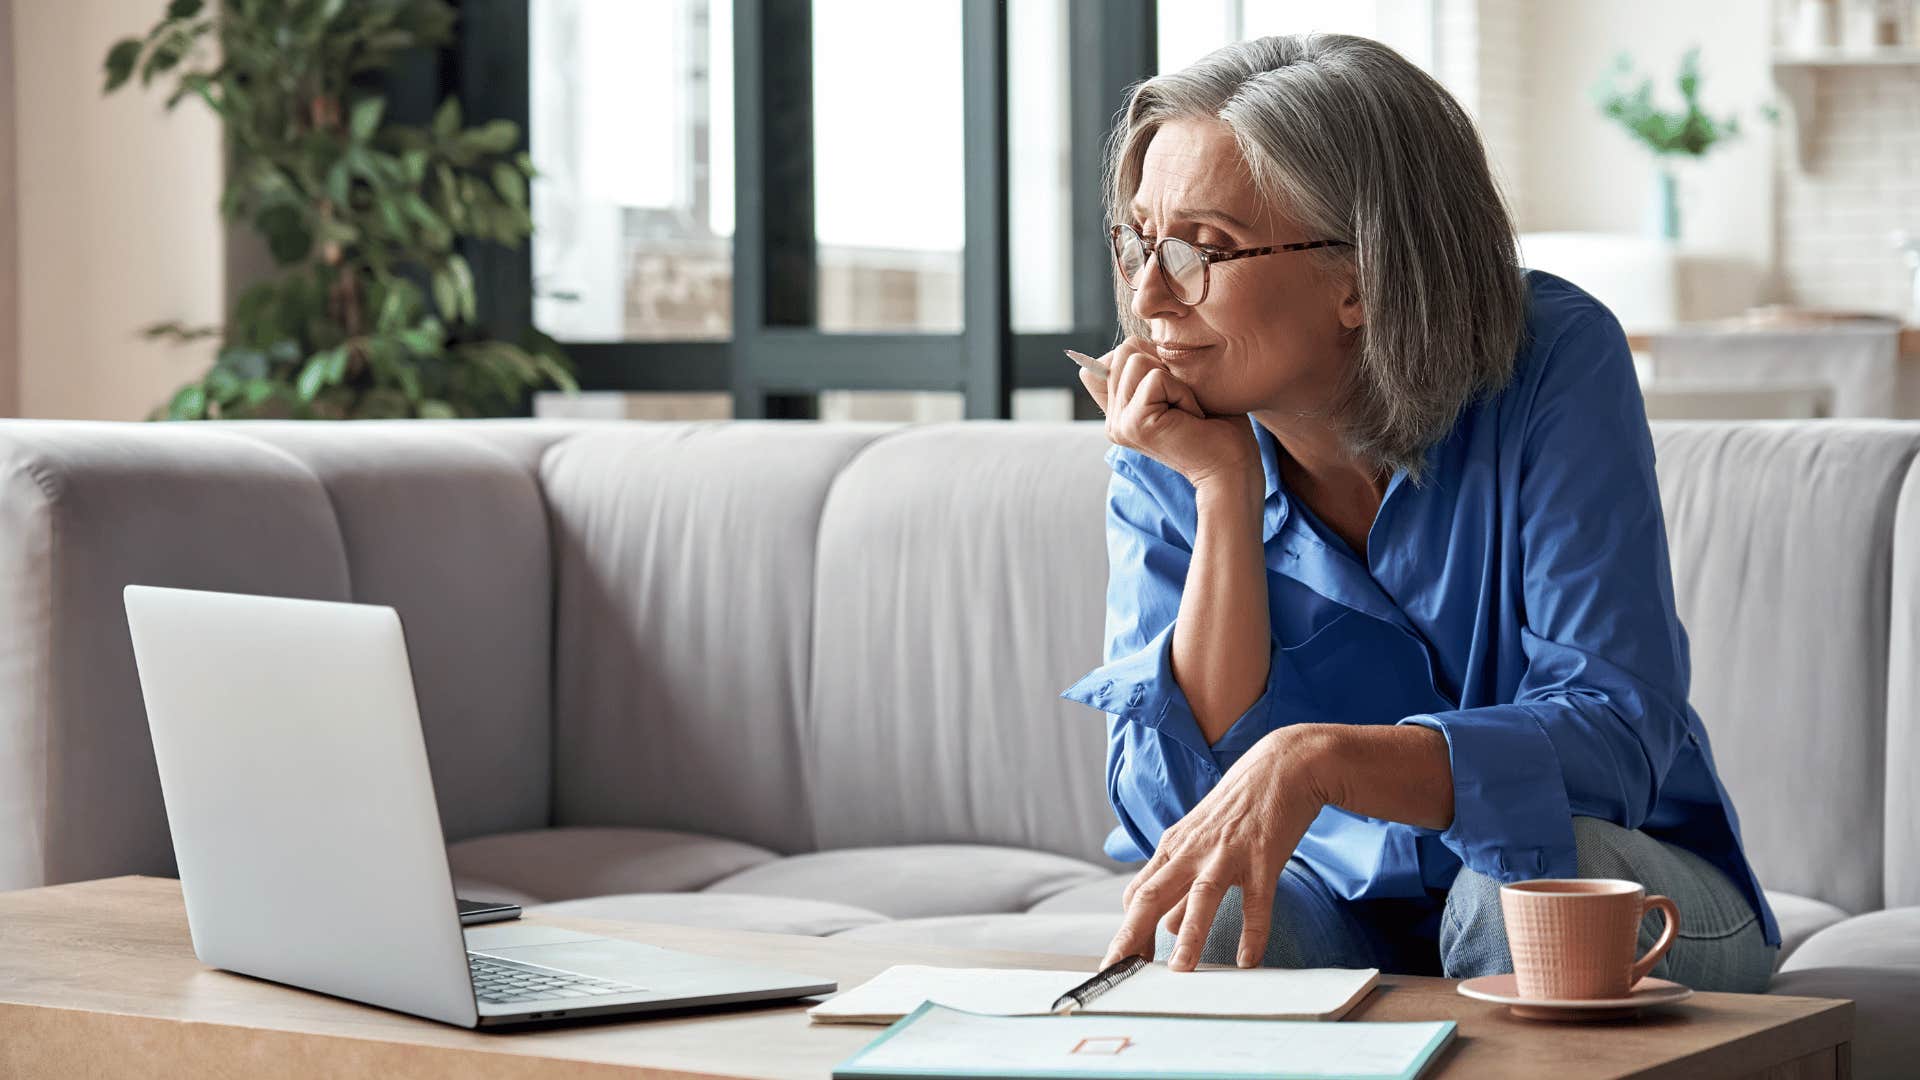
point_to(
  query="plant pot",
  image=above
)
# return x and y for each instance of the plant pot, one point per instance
(1663, 220)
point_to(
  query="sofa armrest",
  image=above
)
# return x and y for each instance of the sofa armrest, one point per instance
(86, 509)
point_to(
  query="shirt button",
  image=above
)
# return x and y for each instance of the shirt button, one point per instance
(1105, 688)
(1692, 738)
(1136, 696)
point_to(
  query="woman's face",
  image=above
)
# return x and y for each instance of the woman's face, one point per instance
(1270, 331)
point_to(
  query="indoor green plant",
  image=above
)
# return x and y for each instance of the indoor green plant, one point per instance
(371, 311)
(1672, 136)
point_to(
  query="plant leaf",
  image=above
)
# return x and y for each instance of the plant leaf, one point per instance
(189, 403)
(493, 137)
(511, 185)
(120, 63)
(446, 294)
(365, 121)
(286, 233)
(446, 119)
(311, 377)
(463, 286)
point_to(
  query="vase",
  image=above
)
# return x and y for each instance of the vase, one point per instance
(1664, 219)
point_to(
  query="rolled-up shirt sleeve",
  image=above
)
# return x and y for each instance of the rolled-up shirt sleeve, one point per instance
(1159, 764)
(1600, 713)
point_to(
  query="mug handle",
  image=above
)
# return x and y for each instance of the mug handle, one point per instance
(1660, 947)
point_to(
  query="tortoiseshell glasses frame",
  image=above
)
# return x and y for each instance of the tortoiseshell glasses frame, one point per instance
(1123, 236)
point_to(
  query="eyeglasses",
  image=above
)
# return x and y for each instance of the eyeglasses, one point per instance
(1184, 266)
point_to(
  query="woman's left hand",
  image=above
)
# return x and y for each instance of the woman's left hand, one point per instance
(1242, 833)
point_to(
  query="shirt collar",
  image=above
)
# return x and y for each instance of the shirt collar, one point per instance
(1270, 464)
(1275, 513)
(1269, 455)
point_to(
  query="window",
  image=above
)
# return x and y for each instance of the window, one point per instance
(771, 199)
(633, 207)
(1189, 31)
(889, 211)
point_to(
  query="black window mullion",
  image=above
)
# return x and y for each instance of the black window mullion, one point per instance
(987, 334)
(1113, 44)
(491, 58)
(775, 259)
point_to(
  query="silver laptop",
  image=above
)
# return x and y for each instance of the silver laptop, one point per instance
(309, 844)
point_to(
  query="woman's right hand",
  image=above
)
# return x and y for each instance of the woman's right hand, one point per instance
(1151, 411)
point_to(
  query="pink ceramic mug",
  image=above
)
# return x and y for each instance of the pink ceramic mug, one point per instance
(1572, 939)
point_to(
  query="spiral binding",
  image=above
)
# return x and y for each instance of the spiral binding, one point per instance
(1108, 978)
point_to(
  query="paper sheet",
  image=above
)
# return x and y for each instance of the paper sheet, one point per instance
(1272, 993)
(956, 1043)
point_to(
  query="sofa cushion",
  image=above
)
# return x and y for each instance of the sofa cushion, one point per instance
(724, 911)
(1800, 918)
(960, 587)
(683, 602)
(1886, 1041)
(1069, 935)
(1101, 896)
(913, 880)
(1889, 939)
(564, 864)
(474, 604)
(467, 888)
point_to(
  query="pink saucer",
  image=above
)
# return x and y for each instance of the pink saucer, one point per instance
(1505, 990)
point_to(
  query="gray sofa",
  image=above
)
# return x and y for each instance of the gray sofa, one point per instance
(803, 677)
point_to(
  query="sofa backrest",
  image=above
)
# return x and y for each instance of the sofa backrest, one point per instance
(684, 560)
(961, 584)
(817, 635)
(1782, 542)
(432, 519)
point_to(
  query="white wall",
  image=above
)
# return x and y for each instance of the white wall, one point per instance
(117, 218)
(9, 268)
(1581, 171)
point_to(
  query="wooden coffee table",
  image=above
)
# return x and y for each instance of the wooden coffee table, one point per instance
(99, 979)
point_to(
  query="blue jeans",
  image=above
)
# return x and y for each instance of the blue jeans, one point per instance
(1460, 933)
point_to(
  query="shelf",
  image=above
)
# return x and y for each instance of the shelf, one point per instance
(1820, 58)
(1795, 72)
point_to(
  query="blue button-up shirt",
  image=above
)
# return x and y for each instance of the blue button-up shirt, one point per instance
(1518, 600)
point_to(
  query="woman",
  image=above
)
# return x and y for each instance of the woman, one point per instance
(1390, 619)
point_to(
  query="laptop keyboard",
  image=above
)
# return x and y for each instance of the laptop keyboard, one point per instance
(500, 982)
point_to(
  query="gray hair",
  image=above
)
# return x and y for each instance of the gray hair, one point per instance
(1356, 143)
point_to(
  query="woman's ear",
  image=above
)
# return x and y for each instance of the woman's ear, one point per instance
(1353, 313)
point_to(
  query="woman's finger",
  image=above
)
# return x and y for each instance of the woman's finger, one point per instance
(1202, 901)
(1133, 367)
(1256, 918)
(1096, 388)
(1150, 901)
(1171, 924)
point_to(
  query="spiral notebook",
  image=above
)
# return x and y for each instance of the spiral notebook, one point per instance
(935, 1041)
(1151, 990)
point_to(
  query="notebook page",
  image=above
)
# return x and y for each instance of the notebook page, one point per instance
(1267, 992)
(948, 1042)
(902, 988)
